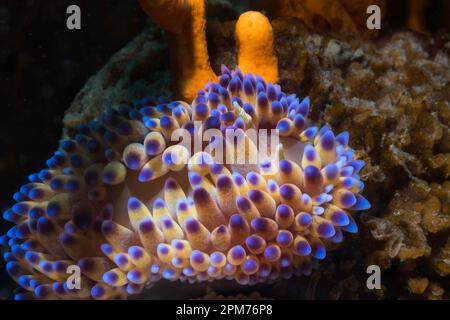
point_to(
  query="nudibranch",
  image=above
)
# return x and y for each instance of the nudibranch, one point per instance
(128, 205)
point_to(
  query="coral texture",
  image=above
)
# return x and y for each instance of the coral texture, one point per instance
(326, 15)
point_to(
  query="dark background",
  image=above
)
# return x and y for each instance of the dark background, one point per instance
(43, 65)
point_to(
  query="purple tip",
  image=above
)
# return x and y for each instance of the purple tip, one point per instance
(348, 199)
(331, 171)
(86, 264)
(216, 257)
(171, 184)
(303, 248)
(106, 249)
(200, 196)
(145, 175)
(327, 141)
(132, 160)
(342, 138)
(254, 242)
(262, 100)
(303, 108)
(284, 238)
(285, 166)
(361, 203)
(272, 252)
(134, 204)
(136, 252)
(249, 88)
(313, 174)
(243, 203)
(310, 153)
(192, 225)
(299, 121)
(356, 164)
(152, 146)
(32, 258)
(197, 256)
(252, 178)
(277, 108)
(45, 226)
(194, 178)
(303, 219)
(108, 227)
(224, 182)
(326, 229)
(271, 92)
(110, 278)
(250, 266)
(237, 252)
(318, 251)
(255, 195)
(97, 291)
(146, 226)
(120, 259)
(259, 224)
(287, 191)
(284, 211)
(237, 222)
(339, 218)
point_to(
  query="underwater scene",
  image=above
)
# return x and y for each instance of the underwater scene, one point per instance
(225, 150)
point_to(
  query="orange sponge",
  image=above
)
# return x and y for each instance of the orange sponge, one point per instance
(184, 22)
(254, 38)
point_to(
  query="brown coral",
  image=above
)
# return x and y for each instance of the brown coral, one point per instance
(343, 15)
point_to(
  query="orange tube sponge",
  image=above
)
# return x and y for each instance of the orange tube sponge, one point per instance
(254, 38)
(184, 22)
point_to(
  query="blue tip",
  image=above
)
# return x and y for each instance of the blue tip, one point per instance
(342, 138)
(361, 203)
(319, 252)
(133, 203)
(303, 107)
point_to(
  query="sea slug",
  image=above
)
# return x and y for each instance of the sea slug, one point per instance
(129, 206)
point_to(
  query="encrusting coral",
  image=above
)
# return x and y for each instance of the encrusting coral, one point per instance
(326, 15)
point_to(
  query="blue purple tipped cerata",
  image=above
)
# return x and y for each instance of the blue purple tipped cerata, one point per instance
(115, 202)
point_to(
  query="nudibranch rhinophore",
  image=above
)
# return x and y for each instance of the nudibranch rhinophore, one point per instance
(129, 206)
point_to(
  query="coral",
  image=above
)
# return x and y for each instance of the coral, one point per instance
(118, 200)
(342, 15)
(254, 41)
(184, 21)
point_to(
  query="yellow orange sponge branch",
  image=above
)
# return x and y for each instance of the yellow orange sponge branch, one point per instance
(185, 24)
(255, 43)
(169, 14)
